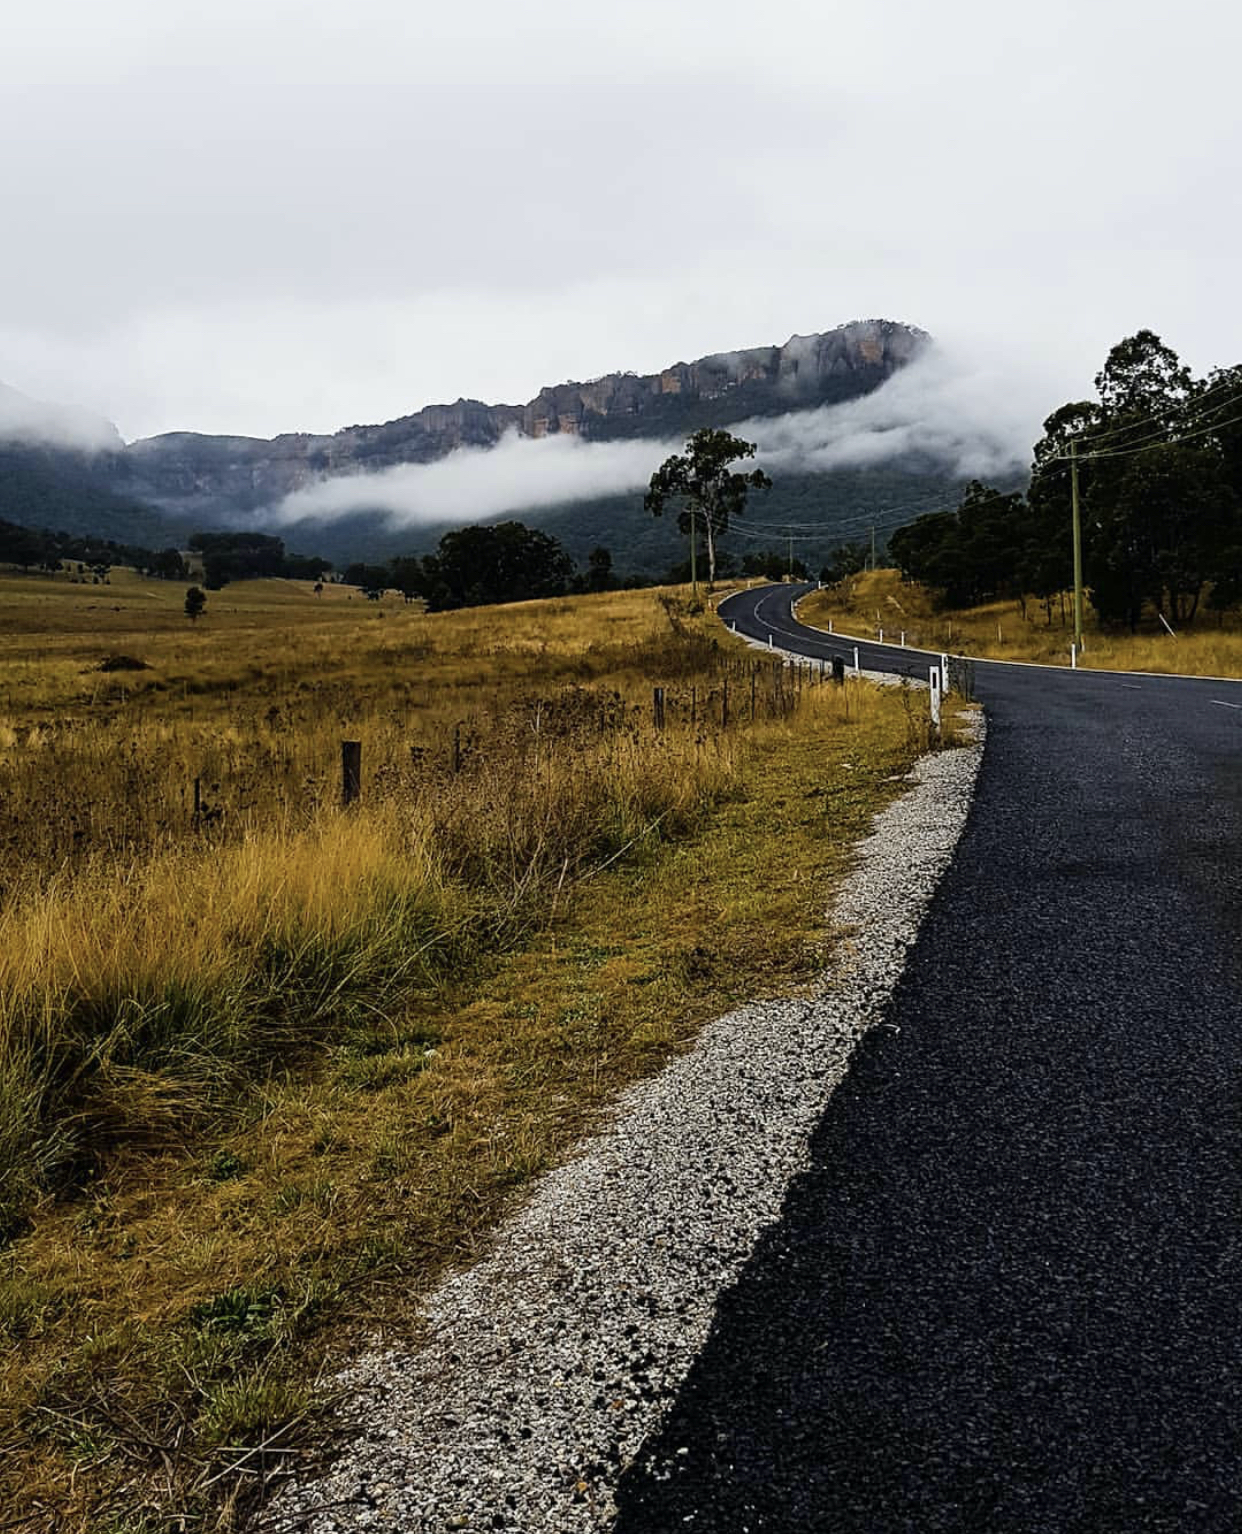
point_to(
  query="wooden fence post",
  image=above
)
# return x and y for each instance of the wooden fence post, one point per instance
(657, 707)
(351, 770)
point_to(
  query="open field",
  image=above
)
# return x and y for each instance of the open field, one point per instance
(1002, 631)
(267, 1070)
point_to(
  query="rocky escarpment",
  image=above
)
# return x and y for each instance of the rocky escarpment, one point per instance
(196, 476)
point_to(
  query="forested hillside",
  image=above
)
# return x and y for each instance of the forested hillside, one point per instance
(45, 487)
(821, 510)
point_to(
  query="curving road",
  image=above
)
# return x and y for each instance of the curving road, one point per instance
(1006, 1296)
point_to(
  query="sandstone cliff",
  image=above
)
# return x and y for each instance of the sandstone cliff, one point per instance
(197, 477)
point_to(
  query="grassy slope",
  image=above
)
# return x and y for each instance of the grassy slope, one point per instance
(173, 1295)
(999, 630)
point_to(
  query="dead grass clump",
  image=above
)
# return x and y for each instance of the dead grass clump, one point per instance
(122, 663)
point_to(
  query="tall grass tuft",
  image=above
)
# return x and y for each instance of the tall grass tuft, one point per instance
(138, 995)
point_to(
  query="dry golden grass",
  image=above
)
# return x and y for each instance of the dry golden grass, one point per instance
(1002, 631)
(266, 1075)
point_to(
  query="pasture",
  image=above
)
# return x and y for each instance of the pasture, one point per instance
(270, 1064)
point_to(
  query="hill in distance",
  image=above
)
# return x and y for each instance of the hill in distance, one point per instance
(157, 490)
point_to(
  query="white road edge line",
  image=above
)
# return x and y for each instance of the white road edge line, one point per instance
(1029, 665)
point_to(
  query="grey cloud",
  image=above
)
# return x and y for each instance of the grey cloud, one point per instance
(23, 419)
(260, 217)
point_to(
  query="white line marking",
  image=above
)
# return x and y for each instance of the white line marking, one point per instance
(1220, 703)
(1031, 665)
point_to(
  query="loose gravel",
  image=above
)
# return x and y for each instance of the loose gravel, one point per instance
(549, 1363)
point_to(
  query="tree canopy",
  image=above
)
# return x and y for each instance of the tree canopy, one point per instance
(711, 493)
(478, 565)
(1159, 463)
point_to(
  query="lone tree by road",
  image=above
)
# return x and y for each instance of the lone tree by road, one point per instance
(195, 601)
(707, 488)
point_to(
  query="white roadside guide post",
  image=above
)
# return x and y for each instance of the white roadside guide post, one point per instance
(944, 673)
(881, 636)
(769, 641)
(1073, 656)
(934, 679)
(857, 667)
(903, 639)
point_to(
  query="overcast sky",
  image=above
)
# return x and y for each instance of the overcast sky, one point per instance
(294, 215)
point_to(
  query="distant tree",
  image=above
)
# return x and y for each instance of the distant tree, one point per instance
(969, 555)
(845, 560)
(305, 567)
(476, 565)
(408, 576)
(372, 580)
(167, 565)
(22, 545)
(773, 565)
(599, 576)
(238, 557)
(195, 602)
(711, 493)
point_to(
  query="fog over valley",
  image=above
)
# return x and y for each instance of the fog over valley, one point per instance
(944, 409)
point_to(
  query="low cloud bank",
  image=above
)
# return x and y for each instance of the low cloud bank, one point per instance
(473, 484)
(974, 419)
(978, 419)
(37, 422)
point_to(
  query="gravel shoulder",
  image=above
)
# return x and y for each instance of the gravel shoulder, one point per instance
(548, 1364)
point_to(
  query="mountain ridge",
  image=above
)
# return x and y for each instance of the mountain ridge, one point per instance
(189, 473)
(157, 490)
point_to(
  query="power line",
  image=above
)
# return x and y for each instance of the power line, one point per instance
(864, 517)
(1194, 410)
(1189, 436)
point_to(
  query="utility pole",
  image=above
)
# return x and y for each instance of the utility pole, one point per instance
(1077, 545)
(791, 569)
(873, 545)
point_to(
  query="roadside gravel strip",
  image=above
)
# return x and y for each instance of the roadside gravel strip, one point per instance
(550, 1362)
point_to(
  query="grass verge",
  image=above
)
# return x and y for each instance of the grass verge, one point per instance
(1022, 631)
(263, 1088)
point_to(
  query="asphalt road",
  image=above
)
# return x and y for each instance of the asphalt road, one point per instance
(1007, 1294)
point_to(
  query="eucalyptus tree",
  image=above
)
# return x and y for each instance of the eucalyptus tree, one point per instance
(711, 492)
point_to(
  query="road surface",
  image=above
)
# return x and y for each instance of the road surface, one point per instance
(1006, 1296)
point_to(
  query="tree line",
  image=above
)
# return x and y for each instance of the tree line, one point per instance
(1157, 456)
(225, 557)
(472, 566)
(38, 548)
(484, 564)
